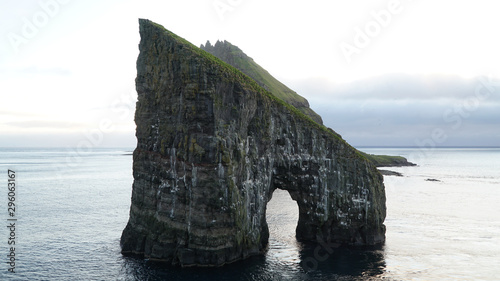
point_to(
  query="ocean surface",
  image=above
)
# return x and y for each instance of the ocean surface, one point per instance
(443, 222)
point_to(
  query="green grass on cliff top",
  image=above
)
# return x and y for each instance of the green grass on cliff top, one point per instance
(259, 74)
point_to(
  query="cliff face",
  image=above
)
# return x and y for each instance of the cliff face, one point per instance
(213, 146)
(235, 57)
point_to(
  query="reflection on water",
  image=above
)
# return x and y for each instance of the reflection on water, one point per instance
(285, 259)
(342, 263)
(324, 261)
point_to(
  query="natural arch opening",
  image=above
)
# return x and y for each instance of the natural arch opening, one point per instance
(282, 217)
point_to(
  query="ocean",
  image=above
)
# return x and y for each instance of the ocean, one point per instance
(443, 222)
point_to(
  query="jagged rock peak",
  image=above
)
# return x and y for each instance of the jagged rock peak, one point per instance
(212, 146)
(234, 56)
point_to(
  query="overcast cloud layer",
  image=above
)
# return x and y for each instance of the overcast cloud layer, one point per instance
(406, 110)
(385, 72)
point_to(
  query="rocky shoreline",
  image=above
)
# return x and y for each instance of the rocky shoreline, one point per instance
(390, 173)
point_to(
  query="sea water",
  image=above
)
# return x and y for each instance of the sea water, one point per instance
(443, 216)
(443, 222)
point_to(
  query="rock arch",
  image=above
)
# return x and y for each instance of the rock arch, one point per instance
(213, 146)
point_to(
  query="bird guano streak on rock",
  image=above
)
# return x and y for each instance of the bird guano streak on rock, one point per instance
(213, 146)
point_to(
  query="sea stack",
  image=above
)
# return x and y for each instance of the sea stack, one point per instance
(213, 145)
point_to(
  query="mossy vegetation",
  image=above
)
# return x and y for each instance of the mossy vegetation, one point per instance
(237, 58)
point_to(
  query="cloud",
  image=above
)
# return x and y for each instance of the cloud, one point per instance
(16, 114)
(405, 109)
(45, 124)
(36, 70)
(400, 87)
(66, 139)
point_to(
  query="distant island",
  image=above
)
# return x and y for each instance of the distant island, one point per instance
(388, 161)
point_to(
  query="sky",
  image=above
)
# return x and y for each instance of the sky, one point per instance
(380, 73)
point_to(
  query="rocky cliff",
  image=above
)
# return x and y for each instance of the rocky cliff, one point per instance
(235, 57)
(213, 146)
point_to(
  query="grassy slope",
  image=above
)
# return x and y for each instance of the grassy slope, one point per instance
(258, 73)
(237, 58)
